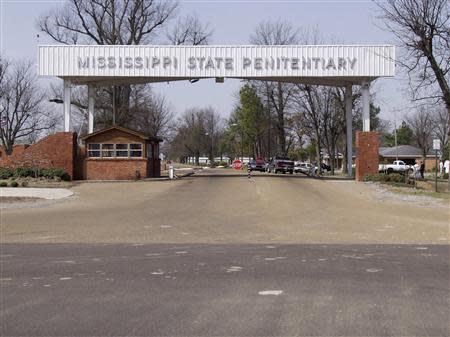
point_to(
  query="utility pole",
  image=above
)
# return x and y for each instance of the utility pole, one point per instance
(242, 145)
(395, 135)
(436, 147)
(114, 105)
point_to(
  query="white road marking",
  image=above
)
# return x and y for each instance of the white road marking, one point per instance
(6, 279)
(165, 226)
(181, 252)
(274, 258)
(234, 269)
(158, 272)
(270, 292)
(271, 247)
(421, 248)
(64, 278)
(153, 254)
(46, 285)
(373, 270)
(354, 257)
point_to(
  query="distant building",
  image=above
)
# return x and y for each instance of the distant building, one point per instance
(204, 160)
(409, 154)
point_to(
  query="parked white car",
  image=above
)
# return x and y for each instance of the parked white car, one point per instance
(304, 168)
(398, 166)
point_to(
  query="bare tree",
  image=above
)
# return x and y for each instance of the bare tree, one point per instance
(213, 128)
(278, 94)
(20, 105)
(423, 28)
(152, 113)
(4, 64)
(310, 107)
(421, 123)
(113, 22)
(189, 30)
(190, 138)
(333, 121)
(441, 125)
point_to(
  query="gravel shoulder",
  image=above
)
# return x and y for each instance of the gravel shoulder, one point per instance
(223, 206)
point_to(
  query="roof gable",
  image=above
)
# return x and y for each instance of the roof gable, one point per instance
(124, 130)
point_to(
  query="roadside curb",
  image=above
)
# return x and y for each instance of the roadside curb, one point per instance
(36, 192)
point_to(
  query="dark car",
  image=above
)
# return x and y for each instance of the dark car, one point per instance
(257, 164)
(325, 167)
(280, 164)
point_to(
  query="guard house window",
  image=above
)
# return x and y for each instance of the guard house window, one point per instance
(115, 150)
(122, 150)
(108, 150)
(135, 150)
(94, 150)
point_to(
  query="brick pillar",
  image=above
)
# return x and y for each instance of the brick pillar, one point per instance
(367, 144)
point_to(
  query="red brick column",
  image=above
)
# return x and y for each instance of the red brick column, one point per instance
(367, 144)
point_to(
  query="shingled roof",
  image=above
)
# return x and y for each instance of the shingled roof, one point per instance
(404, 151)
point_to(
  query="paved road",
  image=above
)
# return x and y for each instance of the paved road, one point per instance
(205, 290)
(197, 257)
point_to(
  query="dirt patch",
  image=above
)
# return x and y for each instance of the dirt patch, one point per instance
(36, 182)
(416, 197)
(11, 200)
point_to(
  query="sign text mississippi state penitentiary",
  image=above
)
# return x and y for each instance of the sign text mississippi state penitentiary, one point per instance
(222, 63)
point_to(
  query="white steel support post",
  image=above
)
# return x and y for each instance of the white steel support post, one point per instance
(365, 95)
(349, 128)
(66, 104)
(91, 105)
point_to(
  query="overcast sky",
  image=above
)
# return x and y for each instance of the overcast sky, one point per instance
(351, 22)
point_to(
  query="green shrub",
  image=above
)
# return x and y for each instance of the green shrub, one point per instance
(51, 173)
(34, 172)
(6, 173)
(396, 178)
(3, 184)
(14, 184)
(382, 177)
(27, 172)
(24, 183)
(445, 176)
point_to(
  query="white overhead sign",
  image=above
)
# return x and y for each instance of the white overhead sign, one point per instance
(180, 62)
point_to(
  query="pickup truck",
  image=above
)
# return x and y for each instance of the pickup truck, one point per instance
(280, 164)
(257, 164)
(398, 166)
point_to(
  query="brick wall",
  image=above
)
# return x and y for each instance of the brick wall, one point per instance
(367, 144)
(114, 169)
(57, 150)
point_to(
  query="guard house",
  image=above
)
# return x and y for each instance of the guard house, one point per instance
(118, 153)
